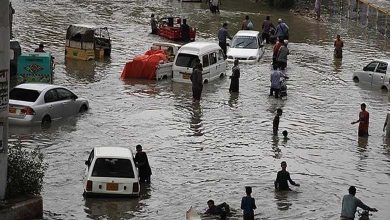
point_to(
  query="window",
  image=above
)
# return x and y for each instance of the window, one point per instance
(26, 95)
(90, 158)
(186, 60)
(382, 68)
(112, 167)
(371, 66)
(51, 96)
(220, 55)
(245, 42)
(213, 58)
(64, 94)
(205, 60)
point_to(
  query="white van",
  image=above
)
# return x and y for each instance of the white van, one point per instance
(209, 54)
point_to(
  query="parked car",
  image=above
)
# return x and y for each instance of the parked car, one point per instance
(111, 171)
(36, 103)
(246, 46)
(375, 74)
(210, 55)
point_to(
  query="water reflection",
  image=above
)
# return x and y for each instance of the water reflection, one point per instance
(233, 99)
(196, 124)
(282, 201)
(80, 69)
(337, 65)
(110, 208)
(275, 147)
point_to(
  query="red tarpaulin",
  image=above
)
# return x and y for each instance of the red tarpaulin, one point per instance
(144, 66)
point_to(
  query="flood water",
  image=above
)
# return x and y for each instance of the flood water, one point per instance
(214, 149)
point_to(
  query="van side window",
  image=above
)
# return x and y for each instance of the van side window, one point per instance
(382, 68)
(371, 66)
(213, 58)
(205, 60)
(220, 55)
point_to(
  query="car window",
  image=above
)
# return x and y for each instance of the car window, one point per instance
(371, 66)
(51, 96)
(213, 58)
(382, 68)
(220, 55)
(245, 42)
(26, 95)
(185, 60)
(205, 60)
(90, 158)
(113, 167)
(64, 94)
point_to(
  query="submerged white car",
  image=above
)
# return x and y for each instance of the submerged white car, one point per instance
(39, 103)
(376, 74)
(246, 46)
(111, 171)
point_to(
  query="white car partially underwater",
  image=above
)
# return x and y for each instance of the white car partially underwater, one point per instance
(246, 46)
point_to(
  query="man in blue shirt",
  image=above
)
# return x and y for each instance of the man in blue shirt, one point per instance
(222, 35)
(282, 30)
(350, 203)
(248, 204)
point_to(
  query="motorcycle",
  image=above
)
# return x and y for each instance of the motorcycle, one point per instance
(364, 215)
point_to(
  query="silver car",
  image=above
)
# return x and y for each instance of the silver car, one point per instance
(35, 103)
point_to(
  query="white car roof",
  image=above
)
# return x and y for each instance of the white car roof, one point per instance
(113, 152)
(37, 86)
(247, 33)
(199, 47)
(382, 60)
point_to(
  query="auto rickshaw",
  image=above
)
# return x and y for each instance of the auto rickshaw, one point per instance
(87, 42)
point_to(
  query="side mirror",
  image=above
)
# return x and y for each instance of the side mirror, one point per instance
(74, 97)
(87, 162)
(365, 68)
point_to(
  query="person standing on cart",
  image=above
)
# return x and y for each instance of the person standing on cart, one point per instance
(185, 31)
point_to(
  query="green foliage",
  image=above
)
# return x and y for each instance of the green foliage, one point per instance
(26, 170)
(281, 3)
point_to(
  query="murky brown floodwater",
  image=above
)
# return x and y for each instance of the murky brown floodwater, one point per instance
(323, 153)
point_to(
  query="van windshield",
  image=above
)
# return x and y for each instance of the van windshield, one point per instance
(186, 60)
(245, 42)
(26, 95)
(113, 167)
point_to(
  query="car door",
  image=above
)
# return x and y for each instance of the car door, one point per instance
(367, 74)
(221, 63)
(379, 75)
(69, 104)
(206, 67)
(52, 105)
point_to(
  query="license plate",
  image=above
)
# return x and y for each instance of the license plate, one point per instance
(12, 110)
(112, 186)
(186, 75)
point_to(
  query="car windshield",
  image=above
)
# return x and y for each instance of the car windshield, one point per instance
(26, 95)
(244, 42)
(186, 60)
(113, 167)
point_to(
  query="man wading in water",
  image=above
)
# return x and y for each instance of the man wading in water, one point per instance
(235, 77)
(197, 80)
(363, 121)
(282, 178)
(338, 47)
(350, 203)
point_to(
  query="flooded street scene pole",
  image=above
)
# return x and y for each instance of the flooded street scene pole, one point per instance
(220, 109)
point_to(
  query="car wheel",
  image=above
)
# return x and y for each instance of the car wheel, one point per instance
(356, 79)
(384, 88)
(83, 109)
(46, 122)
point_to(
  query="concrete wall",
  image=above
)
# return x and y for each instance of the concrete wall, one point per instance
(31, 208)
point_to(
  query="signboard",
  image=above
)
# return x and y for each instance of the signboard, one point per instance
(3, 90)
(34, 67)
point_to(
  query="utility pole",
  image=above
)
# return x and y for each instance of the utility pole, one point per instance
(4, 92)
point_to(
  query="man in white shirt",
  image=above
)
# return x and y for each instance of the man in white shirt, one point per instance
(350, 203)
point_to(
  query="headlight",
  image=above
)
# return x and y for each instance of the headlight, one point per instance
(230, 57)
(252, 58)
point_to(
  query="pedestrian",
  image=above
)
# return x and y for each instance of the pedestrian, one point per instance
(275, 82)
(267, 25)
(223, 34)
(387, 125)
(275, 51)
(317, 8)
(350, 203)
(247, 24)
(285, 134)
(11, 15)
(142, 162)
(282, 55)
(338, 47)
(283, 176)
(153, 24)
(235, 77)
(248, 204)
(214, 6)
(185, 31)
(275, 126)
(40, 49)
(282, 30)
(364, 118)
(197, 81)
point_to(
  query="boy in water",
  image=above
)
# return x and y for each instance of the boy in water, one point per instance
(282, 178)
(276, 121)
(248, 204)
